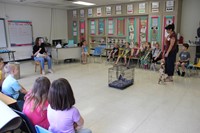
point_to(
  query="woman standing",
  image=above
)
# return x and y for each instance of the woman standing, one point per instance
(171, 50)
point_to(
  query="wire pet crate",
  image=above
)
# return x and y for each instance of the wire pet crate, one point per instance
(120, 77)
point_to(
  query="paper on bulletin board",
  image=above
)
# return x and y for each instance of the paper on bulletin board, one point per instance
(155, 7)
(118, 9)
(169, 6)
(130, 9)
(108, 10)
(99, 12)
(82, 13)
(74, 14)
(141, 7)
(90, 12)
(74, 33)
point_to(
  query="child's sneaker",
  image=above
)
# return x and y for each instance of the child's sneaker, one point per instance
(178, 72)
(183, 74)
(50, 70)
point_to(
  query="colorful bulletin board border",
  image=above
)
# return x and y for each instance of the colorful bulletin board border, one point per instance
(132, 30)
(120, 26)
(143, 29)
(75, 31)
(20, 33)
(110, 26)
(167, 20)
(82, 30)
(92, 26)
(101, 27)
(155, 29)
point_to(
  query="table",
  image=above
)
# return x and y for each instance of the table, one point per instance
(6, 99)
(9, 53)
(66, 53)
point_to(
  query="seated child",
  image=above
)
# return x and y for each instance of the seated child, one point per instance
(162, 71)
(11, 86)
(125, 53)
(1, 72)
(113, 52)
(156, 56)
(145, 59)
(184, 58)
(135, 50)
(36, 103)
(62, 115)
(84, 52)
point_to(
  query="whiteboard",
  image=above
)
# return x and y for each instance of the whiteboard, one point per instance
(3, 40)
(20, 33)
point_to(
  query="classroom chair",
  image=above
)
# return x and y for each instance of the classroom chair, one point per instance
(41, 129)
(26, 126)
(98, 51)
(37, 63)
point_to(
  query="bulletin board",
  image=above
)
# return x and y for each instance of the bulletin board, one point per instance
(155, 29)
(3, 38)
(92, 25)
(101, 27)
(167, 20)
(75, 31)
(143, 29)
(132, 30)
(20, 33)
(82, 30)
(120, 26)
(110, 26)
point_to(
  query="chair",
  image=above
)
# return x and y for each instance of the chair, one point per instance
(26, 125)
(197, 66)
(37, 63)
(97, 53)
(41, 129)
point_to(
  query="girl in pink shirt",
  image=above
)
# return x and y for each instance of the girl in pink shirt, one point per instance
(35, 106)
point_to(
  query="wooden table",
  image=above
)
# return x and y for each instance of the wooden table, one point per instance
(6, 99)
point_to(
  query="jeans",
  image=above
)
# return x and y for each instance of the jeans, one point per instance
(42, 60)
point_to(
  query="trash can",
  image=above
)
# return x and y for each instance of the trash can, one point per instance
(17, 64)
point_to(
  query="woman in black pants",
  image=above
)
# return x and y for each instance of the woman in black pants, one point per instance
(171, 49)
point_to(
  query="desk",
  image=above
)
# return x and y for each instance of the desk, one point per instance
(9, 53)
(66, 53)
(6, 99)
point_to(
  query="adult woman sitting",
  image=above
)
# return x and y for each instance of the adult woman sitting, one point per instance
(40, 55)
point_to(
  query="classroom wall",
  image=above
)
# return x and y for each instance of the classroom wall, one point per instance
(48, 22)
(190, 19)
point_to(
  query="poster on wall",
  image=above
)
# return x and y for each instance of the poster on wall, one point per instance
(111, 26)
(143, 30)
(118, 9)
(132, 31)
(82, 29)
(155, 29)
(20, 33)
(99, 11)
(92, 27)
(90, 12)
(167, 20)
(101, 29)
(169, 6)
(141, 7)
(74, 12)
(75, 31)
(120, 26)
(155, 7)
(108, 10)
(130, 9)
(82, 13)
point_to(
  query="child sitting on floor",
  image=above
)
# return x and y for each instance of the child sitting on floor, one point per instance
(184, 58)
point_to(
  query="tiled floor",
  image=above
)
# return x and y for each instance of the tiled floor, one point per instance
(145, 107)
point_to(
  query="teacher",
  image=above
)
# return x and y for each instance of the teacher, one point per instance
(171, 50)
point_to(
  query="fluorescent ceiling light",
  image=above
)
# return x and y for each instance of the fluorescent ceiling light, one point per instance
(83, 3)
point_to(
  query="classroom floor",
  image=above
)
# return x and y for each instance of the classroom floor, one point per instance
(145, 107)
